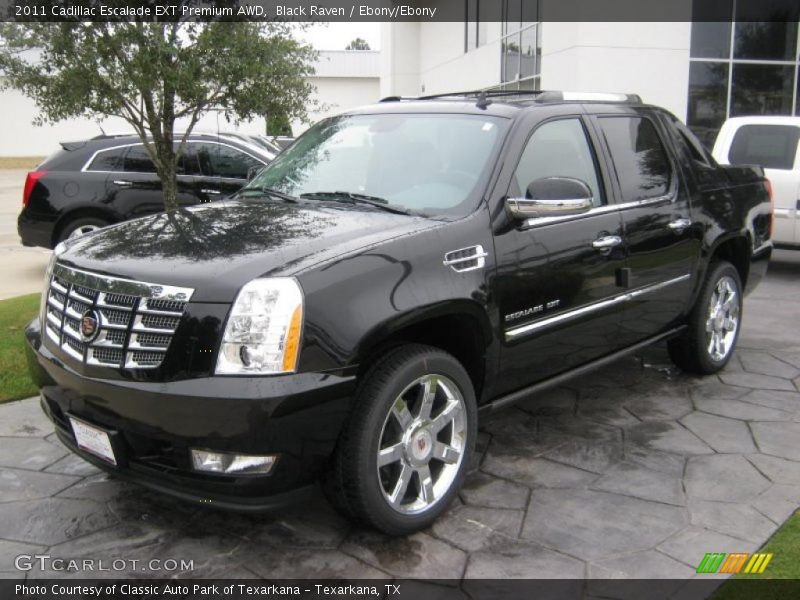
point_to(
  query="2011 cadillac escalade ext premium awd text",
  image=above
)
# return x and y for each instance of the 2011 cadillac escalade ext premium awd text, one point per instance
(399, 269)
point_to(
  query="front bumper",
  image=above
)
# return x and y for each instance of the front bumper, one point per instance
(297, 417)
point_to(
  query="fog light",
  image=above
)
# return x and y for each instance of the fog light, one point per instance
(228, 463)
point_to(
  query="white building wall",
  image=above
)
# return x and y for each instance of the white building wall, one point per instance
(649, 59)
(22, 138)
(342, 93)
(444, 66)
(344, 79)
(429, 58)
(399, 65)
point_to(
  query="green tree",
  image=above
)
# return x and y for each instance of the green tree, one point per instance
(152, 73)
(358, 44)
(278, 123)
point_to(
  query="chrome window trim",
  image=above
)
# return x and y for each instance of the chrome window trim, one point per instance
(599, 210)
(86, 168)
(529, 328)
(108, 284)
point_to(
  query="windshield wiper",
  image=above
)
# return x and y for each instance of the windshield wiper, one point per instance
(355, 198)
(265, 191)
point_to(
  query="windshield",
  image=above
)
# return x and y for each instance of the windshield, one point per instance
(428, 163)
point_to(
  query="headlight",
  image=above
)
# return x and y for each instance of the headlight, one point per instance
(262, 335)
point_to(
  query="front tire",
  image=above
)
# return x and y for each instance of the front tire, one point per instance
(406, 449)
(713, 329)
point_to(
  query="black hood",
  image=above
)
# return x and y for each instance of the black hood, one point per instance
(219, 247)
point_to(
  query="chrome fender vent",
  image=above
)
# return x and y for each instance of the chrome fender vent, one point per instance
(466, 259)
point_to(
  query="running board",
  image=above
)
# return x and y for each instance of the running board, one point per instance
(556, 380)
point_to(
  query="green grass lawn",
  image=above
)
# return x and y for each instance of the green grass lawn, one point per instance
(15, 313)
(20, 162)
(785, 564)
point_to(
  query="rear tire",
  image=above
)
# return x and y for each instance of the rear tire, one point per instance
(81, 226)
(407, 445)
(714, 323)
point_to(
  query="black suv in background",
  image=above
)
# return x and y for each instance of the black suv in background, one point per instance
(396, 271)
(107, 179)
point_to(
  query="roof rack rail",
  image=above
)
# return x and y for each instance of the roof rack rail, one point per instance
(588, 97)
(397, 98)
(535, 95)
(487, 93)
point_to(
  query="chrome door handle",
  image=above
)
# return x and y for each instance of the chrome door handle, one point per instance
(678, 225)
(211, 192)
(607, 242)
(122, 183)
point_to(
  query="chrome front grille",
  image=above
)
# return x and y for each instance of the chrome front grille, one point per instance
(135, 320)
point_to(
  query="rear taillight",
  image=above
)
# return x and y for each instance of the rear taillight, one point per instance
(30, 182)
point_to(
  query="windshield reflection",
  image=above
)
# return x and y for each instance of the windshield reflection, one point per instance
(426, 163)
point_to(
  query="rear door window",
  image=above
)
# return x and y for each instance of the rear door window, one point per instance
(107, 160)
(218, 160)
(641, 162)
(137, 160)
(769, 146)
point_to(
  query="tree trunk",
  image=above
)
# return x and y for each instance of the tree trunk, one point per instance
(170, 187)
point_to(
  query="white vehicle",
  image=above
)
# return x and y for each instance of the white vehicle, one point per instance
(771, 142)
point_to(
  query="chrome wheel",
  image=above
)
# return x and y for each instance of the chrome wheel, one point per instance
(82, 230)
(422, 444)
(722, 321)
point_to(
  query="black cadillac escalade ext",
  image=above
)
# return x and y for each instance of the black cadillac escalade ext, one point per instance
(397, 271)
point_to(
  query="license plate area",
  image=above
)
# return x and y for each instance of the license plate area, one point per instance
(93, 439)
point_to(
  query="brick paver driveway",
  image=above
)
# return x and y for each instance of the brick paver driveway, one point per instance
(635, 471)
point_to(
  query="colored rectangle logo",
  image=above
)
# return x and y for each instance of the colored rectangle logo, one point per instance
(735, 562)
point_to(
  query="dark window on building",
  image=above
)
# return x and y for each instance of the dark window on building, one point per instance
(528, 53)
(530, 12)
(639, 157)
(770, 146)
(711, 28)
(471, 25)
(558, 149)
(765, 41)
(107, 160)
(512, 15)
(708, 98)
(711, 40)
(137, 160)
(747, 66)
(217, 160)
(479, 13)
(761, 89)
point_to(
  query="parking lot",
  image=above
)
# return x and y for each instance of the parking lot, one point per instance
(634, 471)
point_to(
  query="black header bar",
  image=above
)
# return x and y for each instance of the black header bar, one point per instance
(398, 10)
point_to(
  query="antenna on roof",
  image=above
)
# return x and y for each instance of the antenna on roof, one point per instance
(483, 101)
(101, 128)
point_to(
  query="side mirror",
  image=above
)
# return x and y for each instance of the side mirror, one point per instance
(252, 172)
(551, 197)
